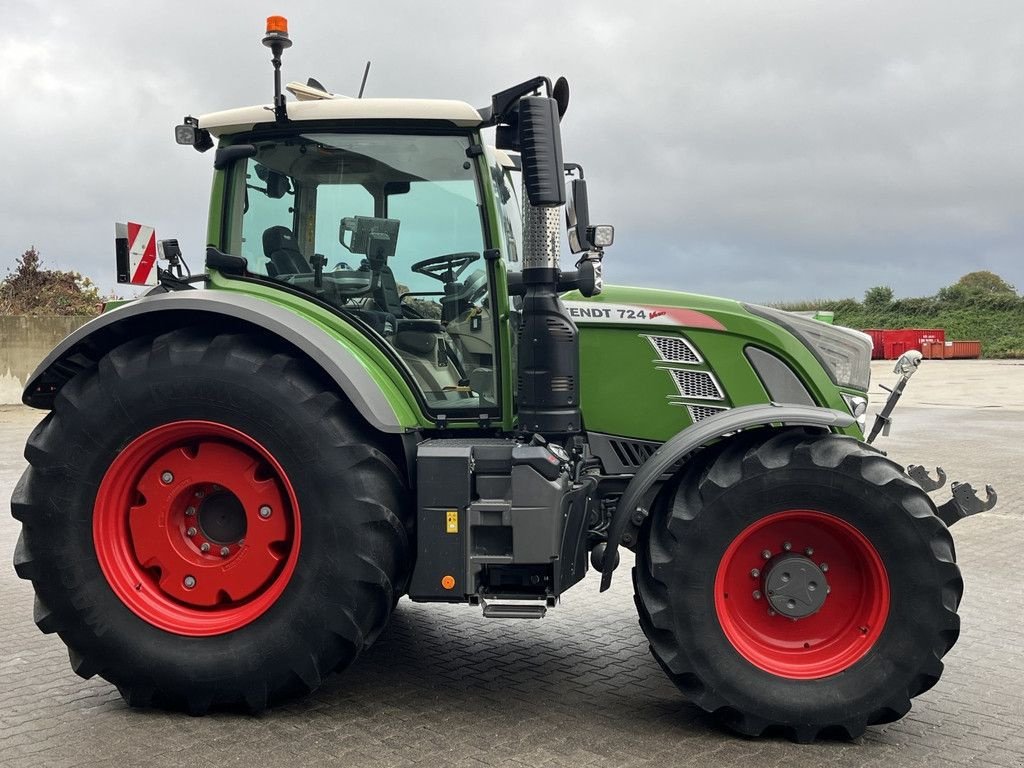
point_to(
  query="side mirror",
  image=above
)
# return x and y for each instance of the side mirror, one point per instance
(584, 236)
(540, 142)
(577, 216)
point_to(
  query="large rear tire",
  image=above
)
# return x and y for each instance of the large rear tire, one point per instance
(878, 585)
(207, 524)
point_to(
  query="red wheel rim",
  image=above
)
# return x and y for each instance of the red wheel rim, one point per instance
(196, 528)
(846, 625)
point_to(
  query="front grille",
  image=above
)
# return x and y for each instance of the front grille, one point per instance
(673, 349)
(698, 412)
(697, 385)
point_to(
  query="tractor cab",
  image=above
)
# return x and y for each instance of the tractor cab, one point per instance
(386, 228)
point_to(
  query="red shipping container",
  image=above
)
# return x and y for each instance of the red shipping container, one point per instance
(877, 343)
(890, 344)
(893, 349)
(963, 350)
(933, 350)
(931, 335)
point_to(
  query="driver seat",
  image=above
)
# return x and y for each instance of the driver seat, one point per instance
(389, 300)
(386, 293)
(283, 253)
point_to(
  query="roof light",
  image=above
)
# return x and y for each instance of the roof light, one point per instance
(277, 25)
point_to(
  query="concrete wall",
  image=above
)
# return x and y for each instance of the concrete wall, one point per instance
(24, 342)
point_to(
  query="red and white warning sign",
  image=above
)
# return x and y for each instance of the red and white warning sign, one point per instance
(136, 253)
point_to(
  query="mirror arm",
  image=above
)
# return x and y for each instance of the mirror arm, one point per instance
(587, 277)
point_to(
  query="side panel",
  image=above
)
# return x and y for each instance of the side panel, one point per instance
(368, 381)
(633, 388)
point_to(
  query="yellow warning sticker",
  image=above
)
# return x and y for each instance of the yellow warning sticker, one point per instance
(452, 521)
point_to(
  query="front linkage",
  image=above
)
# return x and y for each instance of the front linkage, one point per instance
(965, 501)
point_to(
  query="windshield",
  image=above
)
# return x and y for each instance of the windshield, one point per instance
(389, 228)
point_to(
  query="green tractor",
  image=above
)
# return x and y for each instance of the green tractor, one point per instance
(384, 384)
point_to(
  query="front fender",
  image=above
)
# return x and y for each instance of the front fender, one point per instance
(360, 379)
(692, 438)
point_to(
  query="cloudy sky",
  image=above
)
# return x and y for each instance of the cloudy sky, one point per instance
(762, 150)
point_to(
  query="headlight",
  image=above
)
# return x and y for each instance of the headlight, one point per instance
(858, 407)
(843, 352)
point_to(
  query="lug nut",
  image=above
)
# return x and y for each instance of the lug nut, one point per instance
(766, 554)
(190, 512)
(787, 546)
(754, 573)
(200, 494)
(191, 531)
(824, 567)
(166, 477)
(809, 551)
(205, 547)
(265, 511)
(757, 594)
(224, 551)
(189, 582)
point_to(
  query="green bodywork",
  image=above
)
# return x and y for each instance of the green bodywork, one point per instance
(631, 397)
(350, 342)
(625, 389)
(634, 397)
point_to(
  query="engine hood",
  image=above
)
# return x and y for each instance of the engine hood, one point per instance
(619, 305)
(652, 362)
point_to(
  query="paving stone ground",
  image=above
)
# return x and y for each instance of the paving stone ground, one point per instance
(444, 687)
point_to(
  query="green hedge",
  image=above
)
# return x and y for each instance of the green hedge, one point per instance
(996, 321)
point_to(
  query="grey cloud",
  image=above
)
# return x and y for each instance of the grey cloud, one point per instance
(766, 151)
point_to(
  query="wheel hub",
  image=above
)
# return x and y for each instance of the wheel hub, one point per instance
(776, 607)
(221, 518)
(795, 586)
(196, 528)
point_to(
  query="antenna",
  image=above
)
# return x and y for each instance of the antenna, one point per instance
(277, 40)
(362, 85)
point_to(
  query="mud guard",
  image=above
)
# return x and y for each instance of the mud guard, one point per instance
(694, 437)
(95, 338)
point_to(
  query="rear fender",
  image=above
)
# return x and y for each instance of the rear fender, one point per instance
(694, 437)
(357, 377)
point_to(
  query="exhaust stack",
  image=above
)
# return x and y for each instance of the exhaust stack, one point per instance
(548, 377)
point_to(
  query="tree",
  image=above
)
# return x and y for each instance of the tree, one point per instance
(31, 290)
(878, 297)
(977, 284)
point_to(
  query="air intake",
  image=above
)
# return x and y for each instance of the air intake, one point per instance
(698, 412)
(674, 349)
(696, 385)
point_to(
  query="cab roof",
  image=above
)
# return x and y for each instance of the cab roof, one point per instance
(458, 113)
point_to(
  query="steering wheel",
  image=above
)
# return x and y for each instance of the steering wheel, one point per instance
(446, 268)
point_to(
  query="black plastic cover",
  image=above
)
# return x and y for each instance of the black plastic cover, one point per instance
(540, 143)
(549, 364)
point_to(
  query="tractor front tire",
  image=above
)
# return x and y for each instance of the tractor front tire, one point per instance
(797, 583)
(207, 524)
